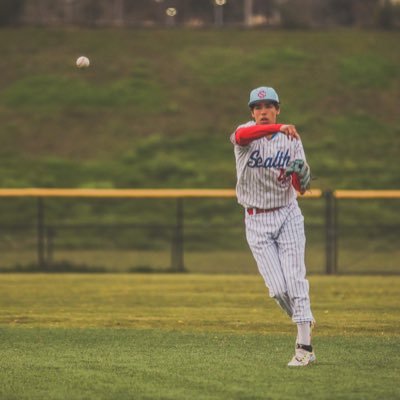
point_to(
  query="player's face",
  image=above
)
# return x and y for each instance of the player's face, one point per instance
(265, 113)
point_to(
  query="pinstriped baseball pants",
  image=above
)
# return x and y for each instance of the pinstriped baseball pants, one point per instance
(277, 241)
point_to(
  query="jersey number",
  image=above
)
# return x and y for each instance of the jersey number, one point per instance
(282, 176)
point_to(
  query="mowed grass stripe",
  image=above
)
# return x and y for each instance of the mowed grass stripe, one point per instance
(211, 337)
(101, 363)
(343, 305)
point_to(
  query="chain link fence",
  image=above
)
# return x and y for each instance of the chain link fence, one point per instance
(197, 235)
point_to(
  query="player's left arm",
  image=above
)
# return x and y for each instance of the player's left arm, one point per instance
(299, 169)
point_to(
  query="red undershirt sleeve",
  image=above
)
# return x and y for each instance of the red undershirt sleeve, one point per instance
(246, 135)
(296, 182)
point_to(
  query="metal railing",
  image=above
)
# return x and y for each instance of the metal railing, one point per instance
(44, 233)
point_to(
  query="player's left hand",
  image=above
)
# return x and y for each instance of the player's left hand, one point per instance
(291, 131)
(301, 168)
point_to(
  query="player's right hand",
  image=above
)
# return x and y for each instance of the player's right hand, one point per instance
(291, 131)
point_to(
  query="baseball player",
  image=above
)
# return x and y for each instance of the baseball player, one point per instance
(271, 166)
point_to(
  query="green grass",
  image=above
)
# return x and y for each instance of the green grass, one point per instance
(156, 107)
(192, 336)
(379, 258)
(152, 364)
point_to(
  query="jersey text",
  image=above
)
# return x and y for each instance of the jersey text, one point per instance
(280, 160)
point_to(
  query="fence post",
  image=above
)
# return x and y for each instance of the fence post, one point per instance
(41, 259)
(177, 263)
(49, 247)
(331, 233)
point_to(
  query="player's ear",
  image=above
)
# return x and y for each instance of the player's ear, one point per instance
(252, 112)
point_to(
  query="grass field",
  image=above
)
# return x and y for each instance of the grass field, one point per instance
(192, 337)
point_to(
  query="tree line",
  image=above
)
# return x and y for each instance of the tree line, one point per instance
(290, 14)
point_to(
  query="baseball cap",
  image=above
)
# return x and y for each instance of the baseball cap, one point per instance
(263, 93)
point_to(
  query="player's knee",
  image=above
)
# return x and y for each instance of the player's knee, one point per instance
(283, 301)
(279, 294)
(280, 297)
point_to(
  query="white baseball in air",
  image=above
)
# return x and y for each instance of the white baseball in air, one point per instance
(82, 62)
(171, 11)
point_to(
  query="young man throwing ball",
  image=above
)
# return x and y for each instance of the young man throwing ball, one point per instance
(271, 166)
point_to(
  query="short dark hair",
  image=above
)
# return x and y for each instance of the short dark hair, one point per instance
(274, 103)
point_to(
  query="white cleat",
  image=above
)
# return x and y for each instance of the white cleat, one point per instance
(302, 358)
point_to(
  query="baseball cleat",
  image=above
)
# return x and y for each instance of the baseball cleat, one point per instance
(302, 358)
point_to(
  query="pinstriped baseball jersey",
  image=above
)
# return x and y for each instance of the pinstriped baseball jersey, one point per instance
(260, 169)
(276, 238)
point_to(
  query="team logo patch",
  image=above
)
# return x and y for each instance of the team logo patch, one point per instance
(262, 94)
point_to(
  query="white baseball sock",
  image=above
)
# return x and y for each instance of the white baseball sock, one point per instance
(304, 333)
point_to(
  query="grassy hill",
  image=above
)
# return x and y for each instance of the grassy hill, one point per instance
(156, 107)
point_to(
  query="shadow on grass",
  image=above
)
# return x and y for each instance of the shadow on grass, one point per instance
(68, 267)
(147, 269)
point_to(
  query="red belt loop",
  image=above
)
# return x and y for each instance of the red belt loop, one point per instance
(252, 211)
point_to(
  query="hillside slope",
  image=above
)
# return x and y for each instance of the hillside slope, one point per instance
(156, 107)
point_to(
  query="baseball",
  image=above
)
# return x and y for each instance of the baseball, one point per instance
(82, 62)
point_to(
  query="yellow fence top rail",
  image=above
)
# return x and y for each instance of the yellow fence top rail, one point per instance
(182, 193)
(367, 194)
(129, 193)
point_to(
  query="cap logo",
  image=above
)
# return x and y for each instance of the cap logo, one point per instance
(262, 94)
